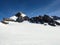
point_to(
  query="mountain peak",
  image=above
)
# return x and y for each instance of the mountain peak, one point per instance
(17, 15)
(20, 14)
(20, 17)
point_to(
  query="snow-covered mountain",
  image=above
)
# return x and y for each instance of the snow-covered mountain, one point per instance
(14, 17)
(26, 33)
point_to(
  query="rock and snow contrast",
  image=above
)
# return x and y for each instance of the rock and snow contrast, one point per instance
(26, 33)
(14, 17)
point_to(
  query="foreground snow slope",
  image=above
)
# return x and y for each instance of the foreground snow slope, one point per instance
(26, 33)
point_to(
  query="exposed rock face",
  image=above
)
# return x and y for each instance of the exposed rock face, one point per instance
(20, 17)
(56, 17)
(48, 20)
(44, 19)
(26, 18)
(20, 14)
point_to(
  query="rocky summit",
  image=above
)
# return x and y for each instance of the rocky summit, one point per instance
(20, 17)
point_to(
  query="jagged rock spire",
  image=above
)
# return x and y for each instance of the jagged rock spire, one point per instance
(20, 14)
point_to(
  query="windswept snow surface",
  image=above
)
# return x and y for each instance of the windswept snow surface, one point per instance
(26, 33)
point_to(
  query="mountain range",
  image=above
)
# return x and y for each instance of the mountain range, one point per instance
(28, 33)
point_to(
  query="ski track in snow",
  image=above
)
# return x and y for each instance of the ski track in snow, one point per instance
(26, 33)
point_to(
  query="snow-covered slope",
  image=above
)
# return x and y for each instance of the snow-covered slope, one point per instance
(26, 33)
(13, 17)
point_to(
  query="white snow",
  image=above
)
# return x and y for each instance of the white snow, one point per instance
(26, 33)
(58, 20)
(13, 17)
(22, 14)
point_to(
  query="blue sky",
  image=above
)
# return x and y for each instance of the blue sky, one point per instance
(29, 7)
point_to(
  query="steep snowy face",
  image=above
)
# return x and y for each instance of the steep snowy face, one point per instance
(23, 15)
(13, 17)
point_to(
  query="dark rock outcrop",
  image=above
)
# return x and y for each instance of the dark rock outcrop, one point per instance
(18, 14)
(37, 19)
(56, 17)
(44, 19)
(26, 18)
